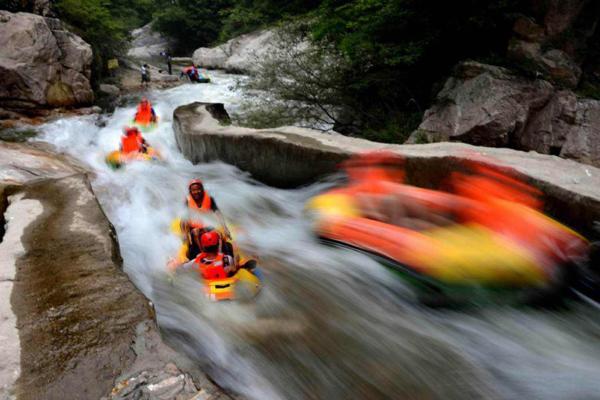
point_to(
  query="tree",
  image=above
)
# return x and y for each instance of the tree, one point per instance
(192, 23)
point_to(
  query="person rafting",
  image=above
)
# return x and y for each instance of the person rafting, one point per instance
(132, 141)
(145, 114)
(199, 200)
(194, 74)
(212, 261)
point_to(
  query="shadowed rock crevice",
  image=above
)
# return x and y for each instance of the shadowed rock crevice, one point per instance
(3, 207)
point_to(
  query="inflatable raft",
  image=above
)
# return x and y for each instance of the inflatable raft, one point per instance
(485, 232)
(243, 285)
(117, 159)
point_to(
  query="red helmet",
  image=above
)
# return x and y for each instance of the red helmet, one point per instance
(130, 130)
(210, 241)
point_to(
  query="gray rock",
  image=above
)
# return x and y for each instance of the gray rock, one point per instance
(482, 105)
(202, 395)
(239, 54)
(111, 90)
(167, 78)
(166, 389)
(561, 68)
(147, 44)
(547, 129)
(43, 8)
(489, 106)
(42, 64)
(583, 138)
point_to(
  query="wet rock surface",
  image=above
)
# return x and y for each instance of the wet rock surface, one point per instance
(293, 156)
(83, 327)
(166, 383)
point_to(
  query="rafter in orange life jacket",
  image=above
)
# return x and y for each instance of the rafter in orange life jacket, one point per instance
(131, 143)
(205, 205)
(144, 114)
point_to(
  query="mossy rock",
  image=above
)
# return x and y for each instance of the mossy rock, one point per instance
(17, 135)
(60, 94)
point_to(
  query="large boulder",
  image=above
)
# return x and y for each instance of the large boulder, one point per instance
(42, 64)
(489, 106)
(237, 55)
(582, 142)
(293, 156)
(482, 105)
(147, 44)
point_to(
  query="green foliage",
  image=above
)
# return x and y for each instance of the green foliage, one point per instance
(245, 16)
(402, 46)
(192, 23)
(589, 90)
(374, 63)
(421, 137)
(394, 129)
(105, 24)
(17, 135)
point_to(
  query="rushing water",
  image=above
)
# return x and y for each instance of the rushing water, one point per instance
(330, 323)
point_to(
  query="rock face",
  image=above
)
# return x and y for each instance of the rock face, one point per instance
(294, 156)
(147, 44)
(41, 64)
(490, 106)
(110, 90)
(238, 54)
(80, 328)
(298, 153)
(483, 105)
(553, 40)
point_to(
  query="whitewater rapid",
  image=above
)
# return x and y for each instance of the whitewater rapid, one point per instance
(330, 323)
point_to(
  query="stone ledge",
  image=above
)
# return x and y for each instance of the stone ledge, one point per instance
(289, 157)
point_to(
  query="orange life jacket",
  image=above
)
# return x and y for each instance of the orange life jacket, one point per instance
(211, 266)
(205, 206)
(131, 143)
(144, 114)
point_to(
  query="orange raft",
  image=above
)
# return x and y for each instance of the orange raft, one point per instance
(243, 285)
(116, 159)
(145, 118)
(485, 231)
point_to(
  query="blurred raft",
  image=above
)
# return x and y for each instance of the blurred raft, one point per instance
(482, 237)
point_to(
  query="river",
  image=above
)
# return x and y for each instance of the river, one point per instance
(330, 323)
